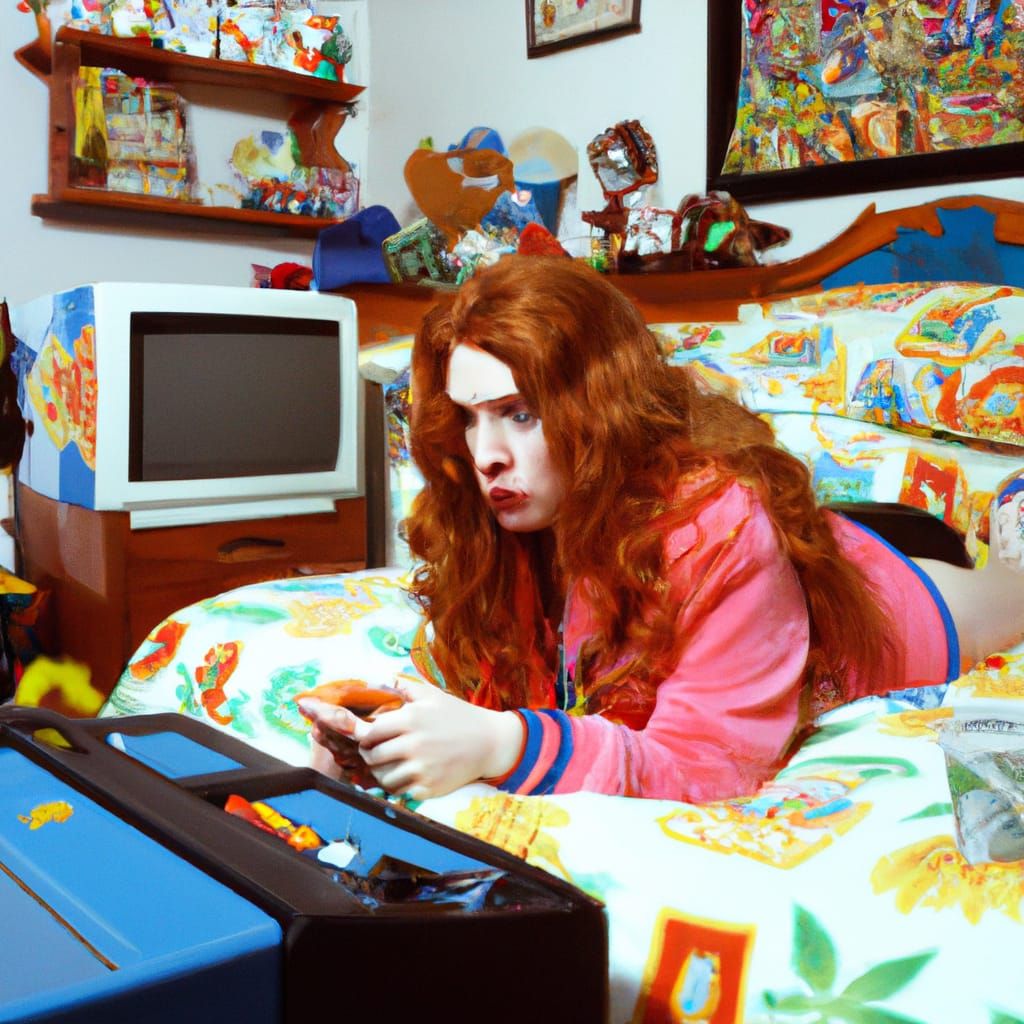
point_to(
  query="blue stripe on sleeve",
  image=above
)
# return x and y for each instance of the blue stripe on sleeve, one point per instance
(565, 747)
(534, 734)
(952, 639)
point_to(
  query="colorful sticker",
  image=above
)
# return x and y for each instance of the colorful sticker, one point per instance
(54, 812)
(696, 971)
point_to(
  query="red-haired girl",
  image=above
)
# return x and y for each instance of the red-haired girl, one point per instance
(630, 588)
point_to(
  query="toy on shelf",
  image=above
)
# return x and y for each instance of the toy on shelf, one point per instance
(131, 136)
(287, 34)
(274, 180)
(475, 211)
(705, 232)
(545, 163)
(480, 202)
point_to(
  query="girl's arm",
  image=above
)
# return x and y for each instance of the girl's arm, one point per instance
(726, 714)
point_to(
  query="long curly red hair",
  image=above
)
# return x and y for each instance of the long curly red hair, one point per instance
(625, 428)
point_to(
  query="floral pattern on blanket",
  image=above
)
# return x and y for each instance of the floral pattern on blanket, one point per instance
(837, 892)
(927, 358)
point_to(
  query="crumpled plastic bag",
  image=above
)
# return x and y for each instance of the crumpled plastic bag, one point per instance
(985, 764)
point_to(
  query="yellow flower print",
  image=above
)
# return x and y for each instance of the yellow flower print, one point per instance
(999, 675)
(914, 723)
(933, 873)
(515, 824)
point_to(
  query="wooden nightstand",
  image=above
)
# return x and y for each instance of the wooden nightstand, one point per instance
(109, 585)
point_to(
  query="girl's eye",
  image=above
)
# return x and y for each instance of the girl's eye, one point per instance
(519, 413)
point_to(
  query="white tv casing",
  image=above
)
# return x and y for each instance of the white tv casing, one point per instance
(183, 502)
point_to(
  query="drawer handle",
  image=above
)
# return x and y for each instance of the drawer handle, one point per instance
(243, 549)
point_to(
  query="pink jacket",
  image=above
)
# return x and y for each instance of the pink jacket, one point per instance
(725, 717)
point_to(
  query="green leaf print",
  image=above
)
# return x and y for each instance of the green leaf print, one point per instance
(886, 979)
(833, 729)
(931, 811)
(258, 614)
(858, 1013)
(814, 956)
(815, 961)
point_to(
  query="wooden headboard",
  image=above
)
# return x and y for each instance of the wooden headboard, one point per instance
(387, 310)
(972, 237)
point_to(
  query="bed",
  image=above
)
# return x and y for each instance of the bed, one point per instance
(892, 362)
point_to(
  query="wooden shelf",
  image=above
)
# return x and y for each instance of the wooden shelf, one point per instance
(68, 201)
(135, 58)
(90, 204)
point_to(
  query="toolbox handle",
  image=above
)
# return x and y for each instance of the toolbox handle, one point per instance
(23, 722)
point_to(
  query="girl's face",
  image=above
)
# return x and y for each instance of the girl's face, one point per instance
(506, 442)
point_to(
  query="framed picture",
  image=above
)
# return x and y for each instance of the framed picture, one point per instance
(822, 97)
(553, 25)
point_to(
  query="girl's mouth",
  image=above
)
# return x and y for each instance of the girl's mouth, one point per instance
(502, 499)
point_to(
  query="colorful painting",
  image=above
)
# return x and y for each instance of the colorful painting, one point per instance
(820, 83)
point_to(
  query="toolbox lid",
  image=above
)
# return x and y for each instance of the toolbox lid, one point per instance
(89, 905)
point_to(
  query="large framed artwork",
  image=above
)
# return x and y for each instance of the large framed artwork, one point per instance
(553, 25)
(824, 97)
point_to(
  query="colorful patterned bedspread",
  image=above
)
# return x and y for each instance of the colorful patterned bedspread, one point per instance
(836, 893)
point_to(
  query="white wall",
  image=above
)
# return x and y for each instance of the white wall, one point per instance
(438, 68)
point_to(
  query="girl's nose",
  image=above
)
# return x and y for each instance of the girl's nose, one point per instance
(487, 446)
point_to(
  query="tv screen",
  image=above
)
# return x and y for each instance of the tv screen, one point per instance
(216, 395)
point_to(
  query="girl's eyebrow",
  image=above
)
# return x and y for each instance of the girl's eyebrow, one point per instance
(478, 399)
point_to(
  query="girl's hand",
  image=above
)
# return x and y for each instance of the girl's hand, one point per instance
(334, 748)
(435, 743)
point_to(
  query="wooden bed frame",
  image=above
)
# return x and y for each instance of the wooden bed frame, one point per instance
(387, 310)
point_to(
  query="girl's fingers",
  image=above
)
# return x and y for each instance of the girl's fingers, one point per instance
(384, 751)
(323, 760)
(329, 718)
(399, 777)
(411, 687)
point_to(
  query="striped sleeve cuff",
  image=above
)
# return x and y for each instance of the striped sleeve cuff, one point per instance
(546, 753)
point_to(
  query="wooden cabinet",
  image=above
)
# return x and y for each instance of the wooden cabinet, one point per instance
(109, 585)
(74, 49)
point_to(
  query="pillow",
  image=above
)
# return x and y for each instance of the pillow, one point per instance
(853, 461)
(238, 659)
(926, 358)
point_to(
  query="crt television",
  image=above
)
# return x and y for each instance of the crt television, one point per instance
(183, 403)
